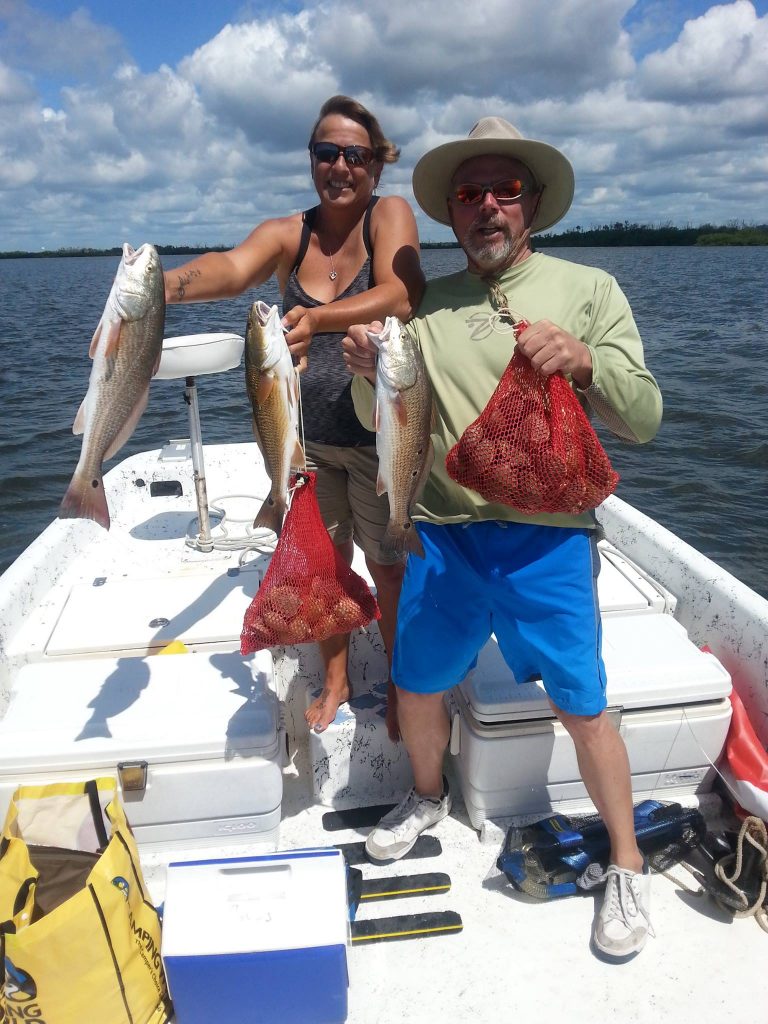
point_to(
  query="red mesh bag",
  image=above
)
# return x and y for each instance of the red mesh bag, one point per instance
(532, 447)
(309, 592)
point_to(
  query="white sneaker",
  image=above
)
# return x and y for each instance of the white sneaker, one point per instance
(624, 920)
(397, 831)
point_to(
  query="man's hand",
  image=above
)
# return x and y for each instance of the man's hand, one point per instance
(359, 351)
(550, 349)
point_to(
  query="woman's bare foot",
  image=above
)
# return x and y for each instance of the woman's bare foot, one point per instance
(322, 711)
(393, 724)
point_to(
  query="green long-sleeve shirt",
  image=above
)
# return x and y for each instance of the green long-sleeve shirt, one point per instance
(465, 357)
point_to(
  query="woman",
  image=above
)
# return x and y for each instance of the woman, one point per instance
(353, 258)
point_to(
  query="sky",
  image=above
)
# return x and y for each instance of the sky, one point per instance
(184, 123)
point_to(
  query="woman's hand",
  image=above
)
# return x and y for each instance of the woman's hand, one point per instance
(302, 325)
(359, 351)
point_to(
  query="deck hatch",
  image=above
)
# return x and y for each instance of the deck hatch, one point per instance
(125, 614)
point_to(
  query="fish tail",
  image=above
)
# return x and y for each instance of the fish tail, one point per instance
(402, 538)
(298, 459)
(271, 514)
(85, 499)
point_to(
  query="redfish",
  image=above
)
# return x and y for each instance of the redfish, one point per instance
(125, 350)
(273, 388)
(403, 423)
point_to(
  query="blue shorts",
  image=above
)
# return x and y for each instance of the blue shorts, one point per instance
(534, 587)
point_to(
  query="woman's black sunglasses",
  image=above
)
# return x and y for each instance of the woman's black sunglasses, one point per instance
(328, 153)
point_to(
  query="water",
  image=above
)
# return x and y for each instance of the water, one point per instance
(701, 313)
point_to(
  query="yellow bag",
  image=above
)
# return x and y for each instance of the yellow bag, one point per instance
(81, 940)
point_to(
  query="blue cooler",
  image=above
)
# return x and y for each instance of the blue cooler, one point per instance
(258, 940)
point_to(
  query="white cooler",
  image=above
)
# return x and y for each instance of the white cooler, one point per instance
(668, 698)
(193, 739)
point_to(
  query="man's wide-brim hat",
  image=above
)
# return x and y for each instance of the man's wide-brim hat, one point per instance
(493, 136)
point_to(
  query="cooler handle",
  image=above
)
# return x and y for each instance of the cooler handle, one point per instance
(455, 742)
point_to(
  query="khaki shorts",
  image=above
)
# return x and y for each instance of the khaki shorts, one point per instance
(346, 494)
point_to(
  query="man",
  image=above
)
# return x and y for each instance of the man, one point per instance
(530, 579)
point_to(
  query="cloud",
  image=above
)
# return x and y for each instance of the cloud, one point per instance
(204, 150)
(398, 49)
(271, 72)
(14, 87)
(721, 54)
(263, 78)
(75, 45)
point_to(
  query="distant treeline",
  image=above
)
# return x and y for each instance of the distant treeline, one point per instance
(620, 233)
(164, 250)
(117, 250)
(624, 233)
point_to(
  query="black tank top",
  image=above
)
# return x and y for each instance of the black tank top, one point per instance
(326, 384)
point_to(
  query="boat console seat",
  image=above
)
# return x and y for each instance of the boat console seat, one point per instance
(188, 356)
(193, 354)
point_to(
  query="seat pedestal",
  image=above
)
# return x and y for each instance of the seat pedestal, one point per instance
(202, 540)
(186, 357)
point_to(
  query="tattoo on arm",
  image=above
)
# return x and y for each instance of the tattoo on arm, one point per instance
(184, 280)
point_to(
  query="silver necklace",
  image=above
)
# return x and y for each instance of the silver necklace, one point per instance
(332, 275)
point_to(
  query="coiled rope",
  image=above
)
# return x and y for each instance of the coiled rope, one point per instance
(752, 833)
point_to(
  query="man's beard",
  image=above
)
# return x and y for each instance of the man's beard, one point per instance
(492, 255)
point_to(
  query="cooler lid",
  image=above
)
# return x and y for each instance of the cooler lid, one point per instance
(131, 614)
(649, 662)
(291, 900)
(183, 707)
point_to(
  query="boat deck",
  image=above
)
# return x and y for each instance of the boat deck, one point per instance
(527, 959)
(515, 956)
